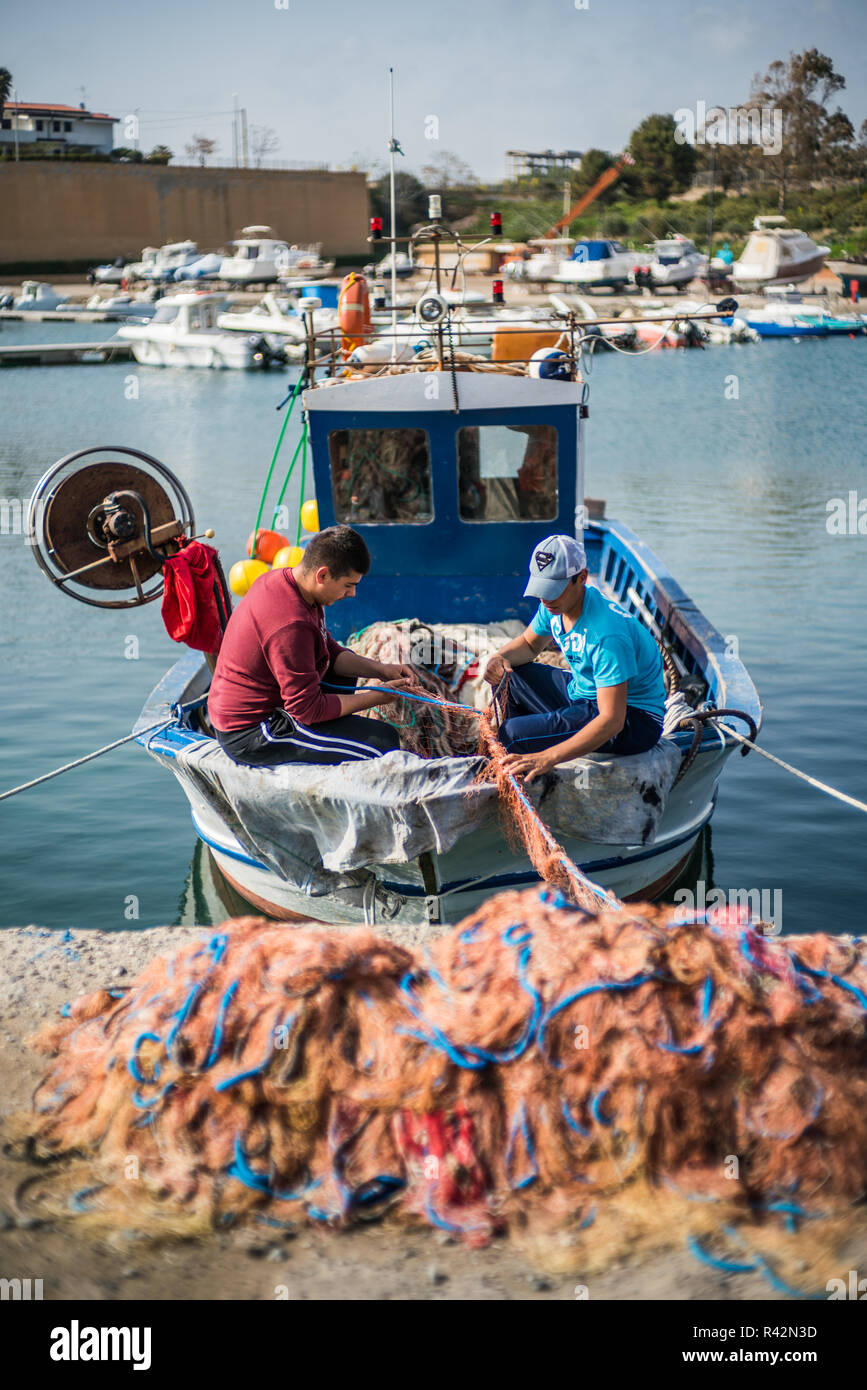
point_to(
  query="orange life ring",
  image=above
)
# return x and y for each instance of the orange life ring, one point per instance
(353, 309)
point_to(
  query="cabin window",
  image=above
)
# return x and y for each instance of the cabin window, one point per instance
(381, 476)
(507, 473)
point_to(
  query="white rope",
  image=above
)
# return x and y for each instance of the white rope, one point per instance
(46, 777)
(805, 777)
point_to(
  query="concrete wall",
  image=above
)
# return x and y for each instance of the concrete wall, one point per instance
(51, 210)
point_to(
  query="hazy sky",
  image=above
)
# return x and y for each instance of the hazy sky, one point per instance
(498, 74)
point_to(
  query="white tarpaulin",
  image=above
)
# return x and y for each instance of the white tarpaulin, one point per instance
(302, 818)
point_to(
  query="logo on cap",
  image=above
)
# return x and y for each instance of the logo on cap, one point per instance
(543, 559)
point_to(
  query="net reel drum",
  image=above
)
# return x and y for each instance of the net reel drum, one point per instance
(102, 526)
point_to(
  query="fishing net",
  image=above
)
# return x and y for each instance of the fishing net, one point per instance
(450, 664)
(574, 1078)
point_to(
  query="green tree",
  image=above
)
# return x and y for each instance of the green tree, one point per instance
(661, 164)
(160, 154)
(799, 91)
(5, 88)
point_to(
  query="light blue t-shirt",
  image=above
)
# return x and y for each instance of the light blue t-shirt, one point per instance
(607, 646)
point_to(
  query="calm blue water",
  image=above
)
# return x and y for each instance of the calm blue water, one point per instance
(732, 494)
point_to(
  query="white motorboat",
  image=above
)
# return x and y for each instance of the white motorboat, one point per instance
(595, 264)
(785, 314)
(722, 331)
(403, 267)
(184, 332)
(672, 264)
(159, 264)
(279, 317)
(775, 253)
(256, 258)
(304, 263)
(38, 294)
(111, 273)
(119, 306)
(204, 268)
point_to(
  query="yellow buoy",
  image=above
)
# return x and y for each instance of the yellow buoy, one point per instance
(288, 557)
(310, 515)
(243, 575)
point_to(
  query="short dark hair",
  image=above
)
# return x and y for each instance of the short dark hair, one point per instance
(340, 548)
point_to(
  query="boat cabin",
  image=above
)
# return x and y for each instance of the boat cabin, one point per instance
(190, 312)
(452, 481)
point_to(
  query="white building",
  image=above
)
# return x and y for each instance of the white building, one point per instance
(56, 128)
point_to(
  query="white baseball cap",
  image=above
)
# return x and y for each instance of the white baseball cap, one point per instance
(552, 564)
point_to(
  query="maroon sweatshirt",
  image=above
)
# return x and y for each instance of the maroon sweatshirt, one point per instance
(274, 653)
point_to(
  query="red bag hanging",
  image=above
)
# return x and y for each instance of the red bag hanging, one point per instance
(193, 596)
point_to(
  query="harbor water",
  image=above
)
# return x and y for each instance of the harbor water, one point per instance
(727, 462)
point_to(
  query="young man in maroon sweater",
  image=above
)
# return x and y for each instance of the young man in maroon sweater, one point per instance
(283, 690)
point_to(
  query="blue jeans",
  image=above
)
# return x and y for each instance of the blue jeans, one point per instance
(540, 713)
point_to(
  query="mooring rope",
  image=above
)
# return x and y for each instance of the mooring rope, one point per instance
(804, 776)
(88, 757)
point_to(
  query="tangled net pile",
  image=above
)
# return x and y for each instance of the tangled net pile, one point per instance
(450, 663)
(528, 1070)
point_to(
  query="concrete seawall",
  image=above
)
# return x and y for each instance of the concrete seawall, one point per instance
(57, 211)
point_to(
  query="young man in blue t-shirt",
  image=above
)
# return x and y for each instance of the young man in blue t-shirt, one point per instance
(612, 700)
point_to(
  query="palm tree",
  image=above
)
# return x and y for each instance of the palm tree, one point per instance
(5, 88)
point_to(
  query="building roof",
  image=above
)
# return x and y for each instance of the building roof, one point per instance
(52, 109)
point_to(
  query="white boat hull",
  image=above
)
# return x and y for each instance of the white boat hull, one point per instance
(219, 351)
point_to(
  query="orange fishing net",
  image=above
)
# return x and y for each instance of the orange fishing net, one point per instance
(527, 1067)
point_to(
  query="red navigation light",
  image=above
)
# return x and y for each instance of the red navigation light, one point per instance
(376, 228)
(496, 224)
(497, 288)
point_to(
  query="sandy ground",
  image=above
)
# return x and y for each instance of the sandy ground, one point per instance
(39, 971)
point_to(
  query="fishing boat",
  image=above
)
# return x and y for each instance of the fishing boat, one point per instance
(777, 254)
(428, 462)
(184, 332)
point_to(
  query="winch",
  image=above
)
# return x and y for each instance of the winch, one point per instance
(102, 522)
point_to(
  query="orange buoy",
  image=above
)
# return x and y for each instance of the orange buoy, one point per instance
(267, 543)
(353, 308)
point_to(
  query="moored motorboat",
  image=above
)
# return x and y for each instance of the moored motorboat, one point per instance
(256, 258)
(594, 264)
(184, 332)
(159, 264)
(777, 254)
(304, 263)
(671, 264)
(38, 294)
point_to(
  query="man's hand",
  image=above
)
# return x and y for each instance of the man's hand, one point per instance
(395, 691)
(390, 671)
(530, 765)
(496, 669)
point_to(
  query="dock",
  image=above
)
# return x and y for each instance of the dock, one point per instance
(60, 316)
(64, 354)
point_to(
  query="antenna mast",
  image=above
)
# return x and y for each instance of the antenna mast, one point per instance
(391, 149)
